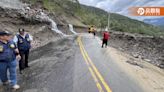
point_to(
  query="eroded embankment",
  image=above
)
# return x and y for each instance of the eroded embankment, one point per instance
(150, 49)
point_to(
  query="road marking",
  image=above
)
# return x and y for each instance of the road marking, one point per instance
(87, 59)
(90, 69)
(96, 80)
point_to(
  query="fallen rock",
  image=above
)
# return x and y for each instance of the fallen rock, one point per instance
(161, 66)
(136, 55)
(148, 60)
(134, 63)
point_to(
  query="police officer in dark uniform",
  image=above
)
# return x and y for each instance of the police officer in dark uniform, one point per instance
(8, 61)
(23, 41)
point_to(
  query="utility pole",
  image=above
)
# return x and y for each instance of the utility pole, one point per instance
(108, 21)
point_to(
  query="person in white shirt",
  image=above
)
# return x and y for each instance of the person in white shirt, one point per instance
(23, 41)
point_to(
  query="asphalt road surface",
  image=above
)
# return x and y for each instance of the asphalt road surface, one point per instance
(74, 65)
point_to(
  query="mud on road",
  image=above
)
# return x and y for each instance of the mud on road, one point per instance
(49, 65)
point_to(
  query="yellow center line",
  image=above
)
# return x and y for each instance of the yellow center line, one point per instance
(93, 66)
(90, 69)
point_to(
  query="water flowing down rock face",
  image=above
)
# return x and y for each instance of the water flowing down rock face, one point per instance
(39, 15)
(55, 28)
(14, 4)
(30, 14)
(44, 17)
(71, 29)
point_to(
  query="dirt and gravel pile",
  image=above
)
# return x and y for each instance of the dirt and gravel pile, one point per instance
(150, 49)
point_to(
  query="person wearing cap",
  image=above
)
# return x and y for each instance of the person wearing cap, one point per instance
(23, 41)
(105, 39)
(8, 59)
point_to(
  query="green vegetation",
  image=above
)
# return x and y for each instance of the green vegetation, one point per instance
(162, 27)
(98, 17)
(94, 16)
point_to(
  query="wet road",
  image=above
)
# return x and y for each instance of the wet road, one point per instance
(72, 65)
(114, 77)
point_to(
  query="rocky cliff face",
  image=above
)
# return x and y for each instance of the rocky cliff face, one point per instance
(11, 19)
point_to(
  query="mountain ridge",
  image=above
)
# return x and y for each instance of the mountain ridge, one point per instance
(155, 21)
(70, 11)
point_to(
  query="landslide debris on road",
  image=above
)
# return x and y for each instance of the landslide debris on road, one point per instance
(148, 48)
(52, 48)
(49, 67)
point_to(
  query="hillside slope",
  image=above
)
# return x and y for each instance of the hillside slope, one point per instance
(98, 17)
(72, 12)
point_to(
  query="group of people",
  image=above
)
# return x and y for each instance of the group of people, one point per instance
(12, 50)
(17, 48)
(105, 35)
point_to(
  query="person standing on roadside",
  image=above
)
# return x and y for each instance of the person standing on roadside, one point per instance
(23, 41)
(94, 32)
(8, 60)
(105, 39)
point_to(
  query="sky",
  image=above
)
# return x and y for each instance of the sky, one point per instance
(121, 6)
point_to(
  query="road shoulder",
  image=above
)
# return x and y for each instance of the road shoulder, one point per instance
(150, 77)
